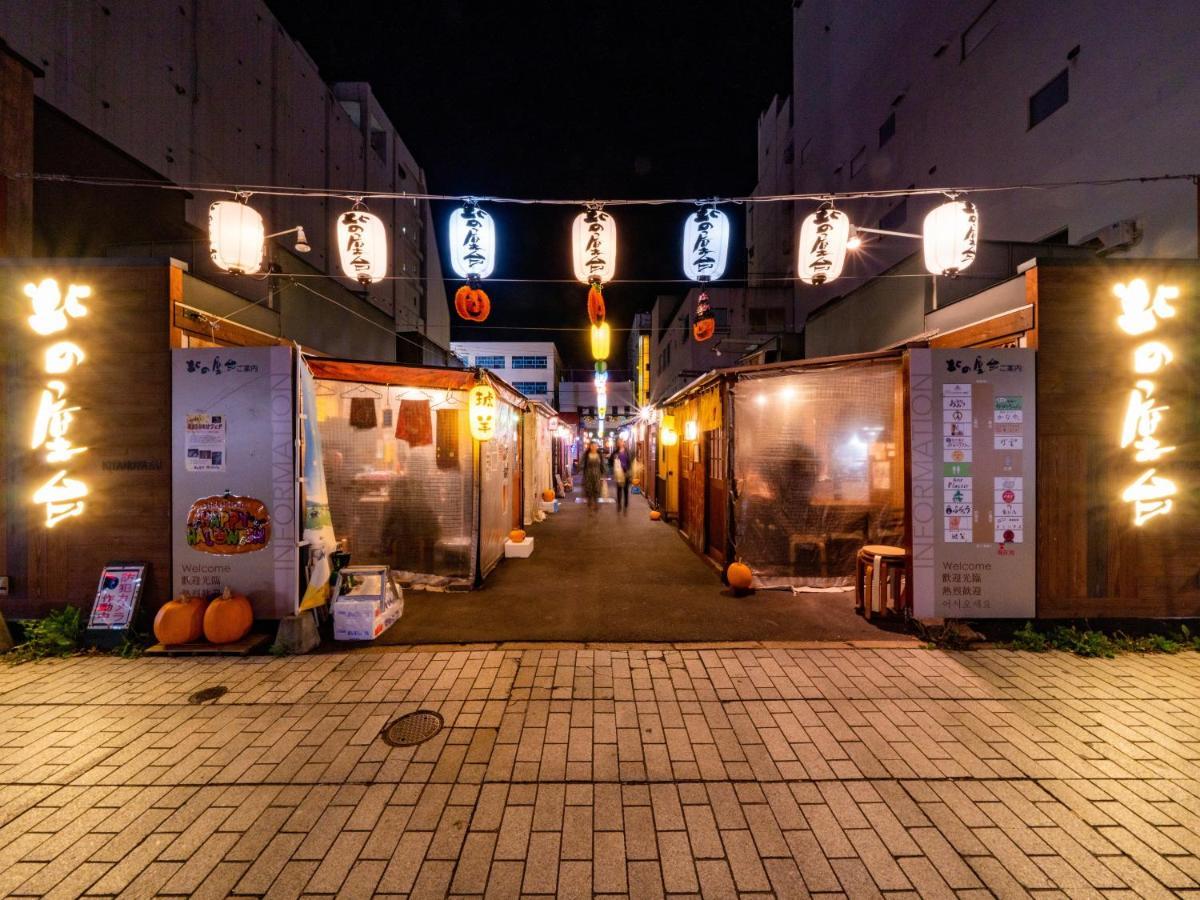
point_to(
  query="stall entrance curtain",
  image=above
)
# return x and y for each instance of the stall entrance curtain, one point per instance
(399, 495)
(498, 481)
(818, 470)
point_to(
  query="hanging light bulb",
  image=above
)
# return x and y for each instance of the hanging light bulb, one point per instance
(236, 237)
(823, 239)
(482, 412)
(705, 244)
(951, 237)
(600, 340)
(594, 246)
(362, 242)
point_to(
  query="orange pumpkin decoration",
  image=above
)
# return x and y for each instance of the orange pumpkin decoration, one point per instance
(180, 621)
(655, 515)
(595, 304)
(225, 525)
(548, 495)
(517, 535)
(704, 329)
(472, 303)
(739, 576)
(228, 618)
(635, 481)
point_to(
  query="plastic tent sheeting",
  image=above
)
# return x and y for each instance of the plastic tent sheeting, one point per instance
(818, 470)
(539, 458)
(499, 466)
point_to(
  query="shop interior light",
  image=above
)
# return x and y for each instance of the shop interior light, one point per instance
(362, 243)
(236, 237)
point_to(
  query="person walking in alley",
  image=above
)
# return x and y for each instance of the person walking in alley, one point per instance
(593, 474)
(621, 462)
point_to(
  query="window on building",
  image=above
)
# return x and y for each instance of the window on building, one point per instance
(528, 362)
(531, 388)
(767, 318)
(895, 217)
(887, 130)
(859, 160)
(1050, 98)
(490, 362)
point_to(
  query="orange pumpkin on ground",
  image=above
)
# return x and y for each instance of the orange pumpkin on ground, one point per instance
(704, 329)
(595, 304)
(635, 481)
(180, 621)
(548, 495)
(655, 515)
(472, 303)
(516, 535)
(739, 576)
(228, 618)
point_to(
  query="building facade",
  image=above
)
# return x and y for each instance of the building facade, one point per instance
(990, 92)
(218, 93)
(532, 367)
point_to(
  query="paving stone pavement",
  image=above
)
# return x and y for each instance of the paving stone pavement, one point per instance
(576, 772)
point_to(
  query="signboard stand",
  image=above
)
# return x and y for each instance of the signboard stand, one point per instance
(117, 603)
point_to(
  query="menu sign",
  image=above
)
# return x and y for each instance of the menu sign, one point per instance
(973, 466)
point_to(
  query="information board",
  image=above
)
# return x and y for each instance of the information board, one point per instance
(973, 420)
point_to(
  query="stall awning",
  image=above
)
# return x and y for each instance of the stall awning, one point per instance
(385, 373)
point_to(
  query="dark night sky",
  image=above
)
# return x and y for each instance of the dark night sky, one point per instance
(638, 98)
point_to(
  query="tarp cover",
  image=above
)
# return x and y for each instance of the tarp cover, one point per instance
(499, 480)
(818, 470)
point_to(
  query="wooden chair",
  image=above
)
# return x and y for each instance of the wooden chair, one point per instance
(892, 565)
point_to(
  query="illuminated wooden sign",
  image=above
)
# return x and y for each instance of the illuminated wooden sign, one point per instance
(1141, 312)
(482, 410)
(53, 312)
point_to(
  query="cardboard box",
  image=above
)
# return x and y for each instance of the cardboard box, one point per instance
(367, 602)
(524, 549)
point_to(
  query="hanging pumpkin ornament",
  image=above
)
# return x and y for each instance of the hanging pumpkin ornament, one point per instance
(473, 257)
(595, 303)
(705, 325)
(823, 239)
(362, 243)
(705, 244)
(951, 237)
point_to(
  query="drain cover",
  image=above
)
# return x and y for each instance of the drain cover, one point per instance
(208, 694)
(413, 728)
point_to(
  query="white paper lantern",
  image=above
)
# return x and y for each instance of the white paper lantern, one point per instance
(951, 237)
(705, 244)
(483, 412)
(236, 237)
(594, 245)
(362, 242)
(823, 238)
(472, 242)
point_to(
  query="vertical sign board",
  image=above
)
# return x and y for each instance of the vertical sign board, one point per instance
(233, 432)
(973, 421)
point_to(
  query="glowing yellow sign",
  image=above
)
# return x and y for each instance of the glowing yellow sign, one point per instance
(1141, 312)
(52, 312)
(482, 411)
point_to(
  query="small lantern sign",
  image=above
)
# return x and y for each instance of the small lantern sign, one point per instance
(362, 242)
(601, 335)
(594, 244)
(691, 430)
(483, 412)
(705, 244)
(823, 239)
(951, 236)
(236, 237)
(472, 242)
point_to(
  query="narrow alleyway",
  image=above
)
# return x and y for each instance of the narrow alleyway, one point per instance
(606, 577)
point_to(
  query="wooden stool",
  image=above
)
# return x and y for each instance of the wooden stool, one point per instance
(892, 564)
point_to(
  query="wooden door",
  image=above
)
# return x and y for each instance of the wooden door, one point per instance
(715, 505)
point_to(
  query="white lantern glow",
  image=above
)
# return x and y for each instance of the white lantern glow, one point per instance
(472, 242)
(483, 412)
(705, 244)
(594, 246)
(362, 243)
(236, 237)
(669, 437)
(691, 430)
(951, 236)
(823, 239)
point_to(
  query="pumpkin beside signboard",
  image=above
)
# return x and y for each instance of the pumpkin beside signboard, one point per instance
(227, 524)
(228, 618)
(180, 621)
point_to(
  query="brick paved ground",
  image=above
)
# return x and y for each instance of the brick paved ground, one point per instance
(647, 772)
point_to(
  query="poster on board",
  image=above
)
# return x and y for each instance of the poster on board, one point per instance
(973, 431)
(117, 597)
(234, 517)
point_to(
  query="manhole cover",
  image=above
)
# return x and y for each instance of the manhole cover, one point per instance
(413, 728)
(208, 694)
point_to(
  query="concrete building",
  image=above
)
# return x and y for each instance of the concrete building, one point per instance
(991, 92)
(532, 367)
(215, 92)
(770, 228)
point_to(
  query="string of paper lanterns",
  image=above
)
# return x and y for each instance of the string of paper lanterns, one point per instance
(237, 236)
